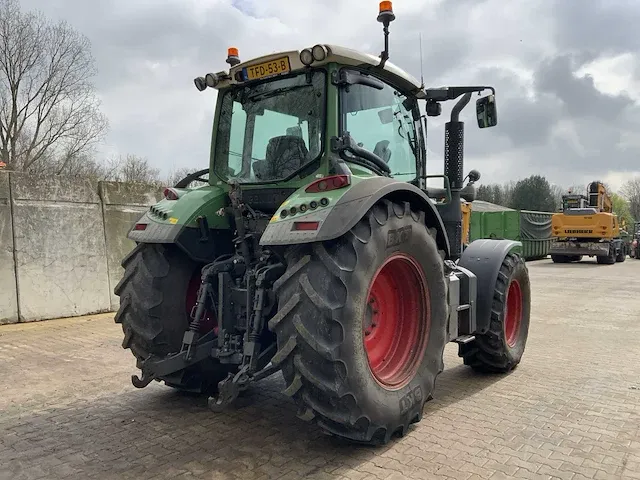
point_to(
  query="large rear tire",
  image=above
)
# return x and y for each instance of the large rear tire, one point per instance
(157, 291)
(501, 348)
(361, 326)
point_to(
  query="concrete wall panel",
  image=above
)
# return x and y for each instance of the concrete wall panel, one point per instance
(59, 247)
(8, 290)
(122, 205)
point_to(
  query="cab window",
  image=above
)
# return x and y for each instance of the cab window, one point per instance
(380, 122)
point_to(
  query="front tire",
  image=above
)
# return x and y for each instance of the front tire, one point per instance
(348, 366)
(156, 295)
(501, 348)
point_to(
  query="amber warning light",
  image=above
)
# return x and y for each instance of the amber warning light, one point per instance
(233, 56)
(386, 7)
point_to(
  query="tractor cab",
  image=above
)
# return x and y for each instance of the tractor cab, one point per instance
(336, 116)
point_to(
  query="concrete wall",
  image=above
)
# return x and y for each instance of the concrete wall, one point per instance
(8, 290)
(122, 205)
(61, 242)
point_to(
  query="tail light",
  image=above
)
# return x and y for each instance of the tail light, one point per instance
(305, 226)
(140, 226)
(326, 184)
(170, 194)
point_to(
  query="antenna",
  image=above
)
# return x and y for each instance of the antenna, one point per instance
(421, 65)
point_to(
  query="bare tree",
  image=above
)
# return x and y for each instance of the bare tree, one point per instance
(49, 113)
(177, 175)
(557, 192)
(631, 191)
(136, 169)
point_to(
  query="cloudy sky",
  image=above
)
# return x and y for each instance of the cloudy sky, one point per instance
(567, 72)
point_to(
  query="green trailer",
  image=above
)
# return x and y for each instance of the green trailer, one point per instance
(532, 228)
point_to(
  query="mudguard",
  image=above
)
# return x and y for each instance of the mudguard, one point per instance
(350, 208)
(190, 222)
(484, 258)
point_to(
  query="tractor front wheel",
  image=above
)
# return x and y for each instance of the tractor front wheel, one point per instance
(361, 325)
(500, 349)
(157, 292)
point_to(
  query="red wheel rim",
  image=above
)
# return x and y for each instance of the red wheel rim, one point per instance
(209, 321)
(396, 321)
(513, 313)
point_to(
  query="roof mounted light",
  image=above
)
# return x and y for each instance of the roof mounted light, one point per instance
(385, 17)
(319, 53)
(386, 14)
(306, 57)
(211, 79)
(233, 57)
(200, 83)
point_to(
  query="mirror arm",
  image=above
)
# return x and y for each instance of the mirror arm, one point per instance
(459, 106)
(451, 93)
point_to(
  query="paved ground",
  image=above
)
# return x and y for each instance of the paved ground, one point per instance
(571, 410)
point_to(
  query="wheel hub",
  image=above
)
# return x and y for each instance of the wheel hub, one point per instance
(513, 313)
(396, 321)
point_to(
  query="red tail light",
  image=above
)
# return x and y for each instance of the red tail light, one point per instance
(170, 194)
(305, 226)
(140, 226)
(329, 183)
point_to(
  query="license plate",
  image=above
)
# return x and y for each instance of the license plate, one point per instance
(267, 69)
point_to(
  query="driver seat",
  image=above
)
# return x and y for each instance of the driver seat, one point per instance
(285, 155)
(382, 150)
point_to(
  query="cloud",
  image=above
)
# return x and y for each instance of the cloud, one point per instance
(561, 113)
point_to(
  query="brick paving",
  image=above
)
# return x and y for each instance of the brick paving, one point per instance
(571, 410)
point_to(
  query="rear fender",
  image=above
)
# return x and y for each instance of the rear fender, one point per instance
(191, 222)
(484, 258)
(350, 208)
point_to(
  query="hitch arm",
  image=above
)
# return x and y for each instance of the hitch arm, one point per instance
(154, 367)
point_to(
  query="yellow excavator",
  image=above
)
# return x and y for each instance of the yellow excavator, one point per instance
(587, 226)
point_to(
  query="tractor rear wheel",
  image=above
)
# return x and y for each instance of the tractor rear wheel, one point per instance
(361, 326)
(157, 291)
(500, 349)
(622, 255)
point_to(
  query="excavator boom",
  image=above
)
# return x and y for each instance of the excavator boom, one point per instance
(599, 197)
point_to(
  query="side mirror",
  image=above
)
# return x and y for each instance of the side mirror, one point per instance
(487, 111)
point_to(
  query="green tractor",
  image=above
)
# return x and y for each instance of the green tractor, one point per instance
(316, 248)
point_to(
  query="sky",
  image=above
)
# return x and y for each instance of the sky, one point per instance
(566, 73)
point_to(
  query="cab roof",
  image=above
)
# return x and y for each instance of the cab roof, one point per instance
(342, 56)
